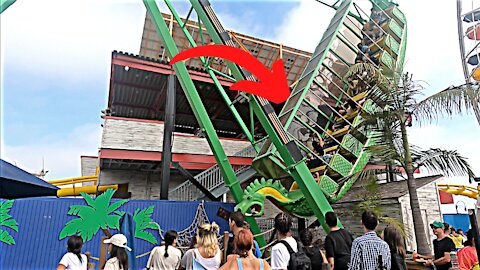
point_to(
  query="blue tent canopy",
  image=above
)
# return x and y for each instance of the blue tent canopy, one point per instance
(17, 183)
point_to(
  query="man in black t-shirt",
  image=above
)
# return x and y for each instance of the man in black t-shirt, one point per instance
(237, 223)
(442, 246)
(338, 243)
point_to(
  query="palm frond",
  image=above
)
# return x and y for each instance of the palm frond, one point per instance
(453, 100)
(446, 162)
(143, 221)
(114, 206)
(6, 238)
(367, 72)
(395, 223)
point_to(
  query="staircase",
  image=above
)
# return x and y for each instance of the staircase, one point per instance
(212, 180)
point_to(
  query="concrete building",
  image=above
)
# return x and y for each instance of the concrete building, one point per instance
(134, 119)
(393, 202)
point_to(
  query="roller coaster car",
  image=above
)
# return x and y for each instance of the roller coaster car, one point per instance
(473, 32)
(377, 44)
(476, 73)
(340, 132)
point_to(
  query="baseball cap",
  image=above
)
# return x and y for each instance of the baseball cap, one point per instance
(437, 224)
(118, 240)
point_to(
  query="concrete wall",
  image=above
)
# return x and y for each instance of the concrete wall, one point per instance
(88, 165)
(148, 136)
(430, 207)
(142, 185)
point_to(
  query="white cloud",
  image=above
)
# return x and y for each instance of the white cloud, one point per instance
(240, 23)
(72, 39)
(303, 27)
(62, 155)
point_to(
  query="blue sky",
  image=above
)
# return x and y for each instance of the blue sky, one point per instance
(55, 68)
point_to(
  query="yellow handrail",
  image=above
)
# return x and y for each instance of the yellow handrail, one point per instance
(74, 180)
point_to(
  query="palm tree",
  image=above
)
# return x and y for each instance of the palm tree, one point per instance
(143, 221)
(93, 216)
(7, 221)
(389, 122)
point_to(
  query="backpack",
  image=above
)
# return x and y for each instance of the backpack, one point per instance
(298, 260)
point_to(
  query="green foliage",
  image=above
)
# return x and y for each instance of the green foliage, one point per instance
(371, 201)
(143, 221)
(98, 213)
(6, 220)
(396, 103)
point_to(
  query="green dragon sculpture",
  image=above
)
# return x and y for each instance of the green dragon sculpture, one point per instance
(255, 194)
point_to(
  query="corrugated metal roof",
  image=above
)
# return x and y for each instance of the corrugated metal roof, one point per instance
(265, 51)
(138, 92)
(41, 220)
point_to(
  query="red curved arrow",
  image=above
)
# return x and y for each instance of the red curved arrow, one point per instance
(272, 85)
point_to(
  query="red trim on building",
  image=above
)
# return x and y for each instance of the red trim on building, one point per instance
(133, 62)
(181, 158)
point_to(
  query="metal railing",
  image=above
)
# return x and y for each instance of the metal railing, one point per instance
(211, 179)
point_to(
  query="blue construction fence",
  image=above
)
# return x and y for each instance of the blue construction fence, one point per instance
(40, 221)
(458, 221)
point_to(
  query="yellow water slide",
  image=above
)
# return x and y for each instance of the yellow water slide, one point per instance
(471, 192)
(75, 191)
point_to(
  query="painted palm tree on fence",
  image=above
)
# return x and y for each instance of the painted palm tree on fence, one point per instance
(144, 222)
(7, 221)
(398, 105)
(98, 213)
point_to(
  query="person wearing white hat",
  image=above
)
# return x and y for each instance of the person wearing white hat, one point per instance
(118, 256)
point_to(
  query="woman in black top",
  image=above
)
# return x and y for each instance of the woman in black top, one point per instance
(395, 241)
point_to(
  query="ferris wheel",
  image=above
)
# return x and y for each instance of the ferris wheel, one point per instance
(468, 23)
(468, 16)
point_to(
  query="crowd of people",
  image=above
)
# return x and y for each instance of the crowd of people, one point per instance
(340, 250)
(452, 248)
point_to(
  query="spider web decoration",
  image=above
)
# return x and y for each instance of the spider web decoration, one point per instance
(186, 235)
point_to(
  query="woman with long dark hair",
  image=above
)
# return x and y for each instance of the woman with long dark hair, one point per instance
(395, 242)
(73, 259)
(118, 256)
(166, 257)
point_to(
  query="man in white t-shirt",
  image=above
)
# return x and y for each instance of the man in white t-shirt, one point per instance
(280, 254)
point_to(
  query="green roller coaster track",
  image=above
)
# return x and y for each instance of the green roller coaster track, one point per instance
(312, 109)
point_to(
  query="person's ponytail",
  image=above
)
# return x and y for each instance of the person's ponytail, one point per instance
(74, 245)
(170, 237)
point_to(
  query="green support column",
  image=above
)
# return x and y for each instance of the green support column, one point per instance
(198, 108)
